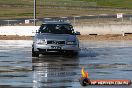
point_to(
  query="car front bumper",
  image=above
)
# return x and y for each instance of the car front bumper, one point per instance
(47, 48)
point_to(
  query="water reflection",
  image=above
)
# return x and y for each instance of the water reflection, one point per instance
(54, 71)
(15, 64)
(103, 60)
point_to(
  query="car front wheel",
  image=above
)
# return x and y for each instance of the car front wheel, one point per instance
(34, 54)
(70, 53)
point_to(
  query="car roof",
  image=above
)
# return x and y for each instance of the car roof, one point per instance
(55, 22)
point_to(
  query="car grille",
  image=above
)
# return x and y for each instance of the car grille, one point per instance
(55, 42)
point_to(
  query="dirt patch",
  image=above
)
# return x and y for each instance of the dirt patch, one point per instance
(15, 37)
(105, 37)
(81, 37)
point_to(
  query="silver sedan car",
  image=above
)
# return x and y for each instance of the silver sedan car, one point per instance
(55, 37)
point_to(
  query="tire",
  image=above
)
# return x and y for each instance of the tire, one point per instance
(70, 53)
(34, 54)
(84, 81)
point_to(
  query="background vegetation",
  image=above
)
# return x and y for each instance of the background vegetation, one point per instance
(59, 8)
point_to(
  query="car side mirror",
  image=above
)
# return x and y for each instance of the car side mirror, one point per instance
(77, 33)
(37, 31)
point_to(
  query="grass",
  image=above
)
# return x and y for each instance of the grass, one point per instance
(59, 8)
(112, 3)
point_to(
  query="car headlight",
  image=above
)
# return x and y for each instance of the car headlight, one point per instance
(71, 43)
(40, 41)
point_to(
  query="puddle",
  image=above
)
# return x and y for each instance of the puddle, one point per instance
(103, 60)
(15, 67)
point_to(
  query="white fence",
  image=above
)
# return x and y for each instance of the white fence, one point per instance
(104, 29)
(84, 30)
(18, 30)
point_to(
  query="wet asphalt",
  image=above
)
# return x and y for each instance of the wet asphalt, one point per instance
(102, 59)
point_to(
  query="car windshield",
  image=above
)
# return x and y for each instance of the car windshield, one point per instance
(56, 29)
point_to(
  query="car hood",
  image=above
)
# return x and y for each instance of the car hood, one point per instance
(66, 37)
